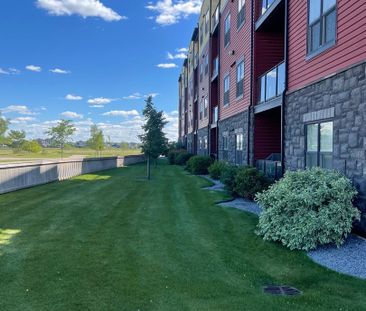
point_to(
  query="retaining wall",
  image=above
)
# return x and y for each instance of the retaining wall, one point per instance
(24, 175)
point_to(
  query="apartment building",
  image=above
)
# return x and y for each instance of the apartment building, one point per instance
(287, 87)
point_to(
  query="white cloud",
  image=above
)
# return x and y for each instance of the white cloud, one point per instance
(84, 8)
(100, 101)
(73, 97)
(170, 12)
(97, 106)
(22, 120)
(10, 71)
(121, 113)
(176, 56)
(182, 50)
(140, 96)
(33, 68)
(167, 66)
(72, 115)
(60, 71)
(24, 110)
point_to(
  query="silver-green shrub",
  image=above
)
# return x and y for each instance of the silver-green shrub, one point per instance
(308, 208)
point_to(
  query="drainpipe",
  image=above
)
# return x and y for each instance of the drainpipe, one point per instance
(284, 92)
(251, 80)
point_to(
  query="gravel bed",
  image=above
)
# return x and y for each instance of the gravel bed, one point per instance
(349, 259)
(218, 186)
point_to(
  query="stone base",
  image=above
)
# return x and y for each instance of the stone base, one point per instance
(229, 128)
(341, 99)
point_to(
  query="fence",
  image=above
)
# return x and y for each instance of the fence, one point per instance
(24, 175)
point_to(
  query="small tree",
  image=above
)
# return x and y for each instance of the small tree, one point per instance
(96, 141)
(60, 134)
(153, 140)
(4, 124)
(31, 146)
(16, 140)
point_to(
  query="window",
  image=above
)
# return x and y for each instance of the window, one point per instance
(201, 109)
(201, 33)
(322, 22)
(205, 107)
(319, 145)
(240, 79)
(241, 12)
(206, 64)
(266, 4)
(201, 72)
(227, 30)
(205, 143)
(239, 142)
(226, 90)
(225, 142)
(272, 84)
(200, 143)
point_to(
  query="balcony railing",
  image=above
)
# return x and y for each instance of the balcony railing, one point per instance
(272, 83)
(272, 169)
(266, 5)
(215, 67)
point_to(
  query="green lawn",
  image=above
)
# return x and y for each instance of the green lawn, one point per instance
(113, 241)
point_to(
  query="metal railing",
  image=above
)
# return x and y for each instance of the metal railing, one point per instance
(215, 67)
(272, 169)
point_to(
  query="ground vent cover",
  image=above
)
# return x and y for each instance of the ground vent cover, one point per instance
(281, 290)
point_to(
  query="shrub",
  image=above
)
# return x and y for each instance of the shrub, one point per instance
(216, 169)
(227, 177)
(249, 181)
(182, 158)
(199, 165)
(172, 155)
(308, 208)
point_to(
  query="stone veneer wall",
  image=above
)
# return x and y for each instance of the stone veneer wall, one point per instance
(230, 127)
(190, 142)
(341, 98)
(201, 133)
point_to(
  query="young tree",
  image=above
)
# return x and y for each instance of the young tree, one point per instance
(153, 140)
(60, 134)
(16, 139)
(4, 124)
(96, 141)
(31, 146)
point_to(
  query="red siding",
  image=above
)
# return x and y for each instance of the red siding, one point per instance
(349, 49)
(240, 43)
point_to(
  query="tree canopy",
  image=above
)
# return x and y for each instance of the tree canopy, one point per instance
(96, 141)
(61, 133)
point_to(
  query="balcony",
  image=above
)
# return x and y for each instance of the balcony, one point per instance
(215, 68)
(272, 15)
(271, 86)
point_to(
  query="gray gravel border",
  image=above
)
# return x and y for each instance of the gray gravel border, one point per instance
(348, 259)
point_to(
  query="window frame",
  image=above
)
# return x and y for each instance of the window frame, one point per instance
(241, 14)
(240, 62)
(225, 142)
(321, 20)
(227, 32)
(205, 107)
(227, 76)
(318, 153)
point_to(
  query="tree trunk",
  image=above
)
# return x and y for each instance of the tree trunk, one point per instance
(148, 168)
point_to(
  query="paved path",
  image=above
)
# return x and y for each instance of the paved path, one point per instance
(349, 259)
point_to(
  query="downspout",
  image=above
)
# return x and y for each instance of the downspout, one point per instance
(251, 80)
(284, 92)
(218, 82)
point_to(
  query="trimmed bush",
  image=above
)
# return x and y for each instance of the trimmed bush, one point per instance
(199, 165)
(249, 181)
(182, 158)
(228, 177)
(308, 208)
(172, 155)
(216, 169)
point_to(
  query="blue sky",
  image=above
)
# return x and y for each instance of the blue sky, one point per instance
(92, 61)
